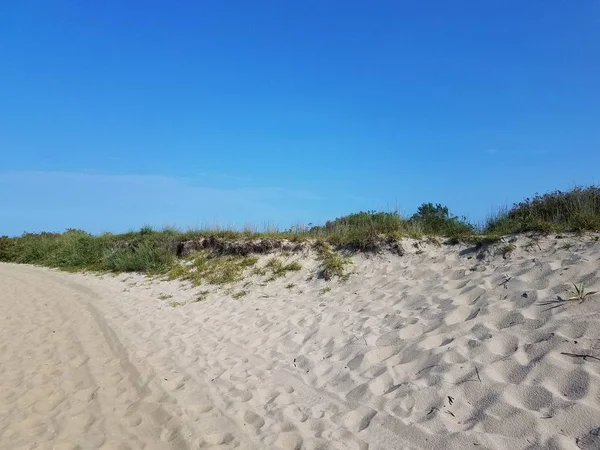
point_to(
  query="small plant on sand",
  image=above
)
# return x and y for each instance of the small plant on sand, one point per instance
(333, 264)
(530, 245)
(506, 250)
(290, 286)
(433, 241)
(279, 269)
(260, 271)
(202, 295)
(176, 304)
(324, 290)
(578, 293)
(239, 294)
(163, 296)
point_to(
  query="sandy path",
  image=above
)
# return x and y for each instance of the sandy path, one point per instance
(65, 378)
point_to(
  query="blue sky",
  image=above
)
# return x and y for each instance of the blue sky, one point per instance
(116, 114)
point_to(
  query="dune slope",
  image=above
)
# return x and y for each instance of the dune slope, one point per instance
(446, 347)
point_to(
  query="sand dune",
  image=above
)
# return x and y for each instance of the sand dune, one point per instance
(445, 347)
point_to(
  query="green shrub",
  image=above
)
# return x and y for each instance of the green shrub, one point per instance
(355, 228)
(7, 249)
(144, 257)
(577, 209)
(146, 230)
(34, 248)
(437, 220)
(76, 249)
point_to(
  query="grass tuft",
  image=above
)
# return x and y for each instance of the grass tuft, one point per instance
(507, 249)
(333, 264)
(206, 268)
(279, 269)
(578, 293)
(202, 295)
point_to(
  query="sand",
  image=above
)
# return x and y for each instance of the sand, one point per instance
(442, 348)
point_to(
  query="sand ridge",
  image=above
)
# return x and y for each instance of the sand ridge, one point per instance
(446, 347)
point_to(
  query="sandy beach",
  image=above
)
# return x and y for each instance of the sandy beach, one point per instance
(445, 347)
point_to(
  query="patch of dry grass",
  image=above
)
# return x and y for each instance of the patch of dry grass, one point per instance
(206, 268)
(333, 264)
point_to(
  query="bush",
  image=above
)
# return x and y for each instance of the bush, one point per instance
(362, 230)
(7, 249)
(76, 249)
(33, 248)
(144, 257)
(578, 209)
(437, 220)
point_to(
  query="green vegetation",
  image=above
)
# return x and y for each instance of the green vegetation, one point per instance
(279, 269)
(437, 220)
(239, 294)
(507, 249)
(78, 250)
(361, 231)
(578, 293)
(202, 295)
(577, 210)
(225, 254)
(433, 241)
(204, 267)
(333, 264)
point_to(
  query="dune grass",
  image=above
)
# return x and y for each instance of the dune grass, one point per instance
(155, 251)
(278, 268)
(204, 268)
(557, 211)
(76, 250)
(333, 264)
